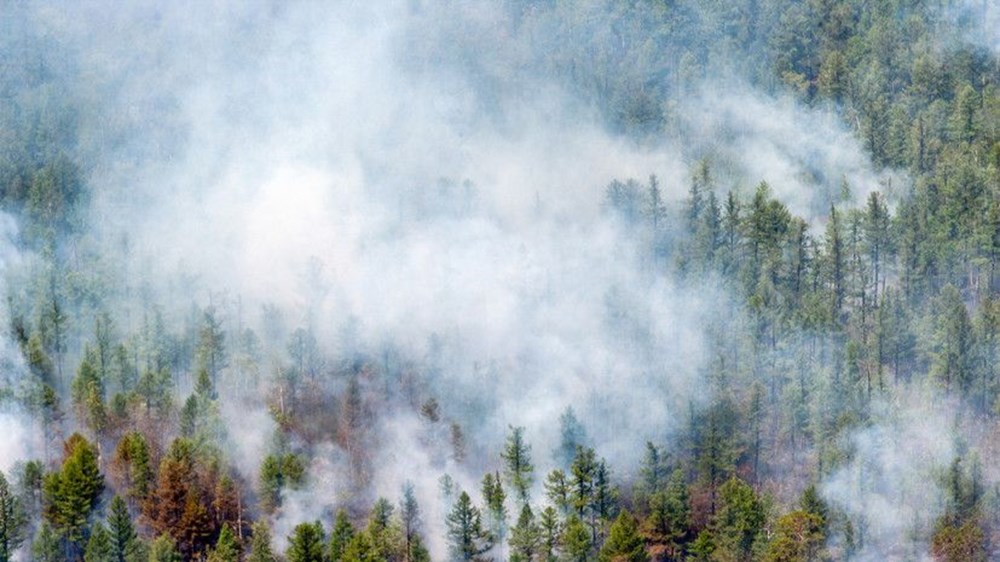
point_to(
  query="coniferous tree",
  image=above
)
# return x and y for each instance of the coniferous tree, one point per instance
(409, 513)
(124, 541)
(46, 547)
(518, 468)
(226, 548)
(164, 550)
(466, 536)
(72, 492)
(525, 537)
(306, 543)
(576, 543)
(550, 534)
(99, 548)
(260, 544)
(624, 543)
(340, 536)
(12, 521)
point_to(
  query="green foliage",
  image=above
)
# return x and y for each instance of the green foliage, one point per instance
(306, 543)
(518, 468)
(72, 492)
(739, 522)
(525, 537)
(12, 521)
(164, 550)
(576, 543)
(798, 537)
(340, 536)
(46, 547)
(226, 548)
(121, 531)
(624, 543)
(467, 539)
(99, 547)
(260, 544)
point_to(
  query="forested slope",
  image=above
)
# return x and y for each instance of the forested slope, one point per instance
(537, 281)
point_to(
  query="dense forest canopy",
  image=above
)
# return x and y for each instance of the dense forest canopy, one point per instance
(529, 280)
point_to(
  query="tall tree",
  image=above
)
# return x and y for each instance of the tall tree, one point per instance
(624, 543)
(260, 544)
(12, 521)
(525, 537)
(518, 468)
(124, 541)
(466, 536)
(306, 543)
(340, 536)
(99, 548)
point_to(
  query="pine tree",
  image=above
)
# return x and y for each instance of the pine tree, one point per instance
(550, 534)
(624, 542)
(306, 543)
(576, 540)
(517, 457)
(72, 492)
(12, 521)
(525, 537)
(466, 535)
(99, 548)
(121, 531)
(573, 435)
(260, 544)
(494, 497)
(226, 548)
(340, 536)
(409, 513)
(163, 550)
(46, 547)
(557, 490)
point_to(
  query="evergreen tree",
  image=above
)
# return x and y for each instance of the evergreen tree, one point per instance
(557, 490)
(163, 550)
(260, 544)
(226, 548)
(12, 521)
(72, 492)
(409, 513)
(517, 458)
(46, 547)
(99, 548)
(525, 537)
(550, 534)
(340, 536)
(466, 535)
(624, 543)
(306, 543)
(124, 541)
(572, 436)
(576, 542)
(494, 498)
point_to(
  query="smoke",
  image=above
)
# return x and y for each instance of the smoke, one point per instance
(365, 169)
(807, 156)
(893, 482)
(20, 437)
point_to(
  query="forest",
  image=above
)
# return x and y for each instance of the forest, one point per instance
(524, 280)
